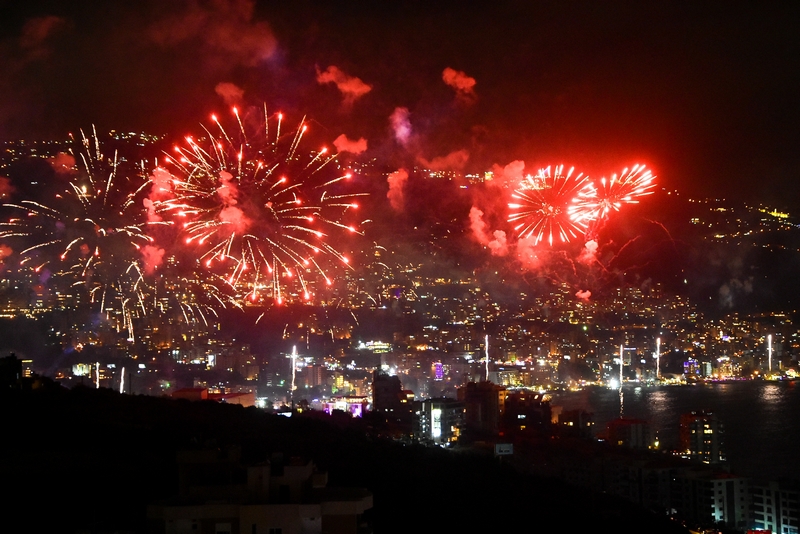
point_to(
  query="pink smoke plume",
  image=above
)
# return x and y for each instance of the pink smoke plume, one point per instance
(528, 254)
(161, 189)
(234, 217)
(454, 161)
(589, 253)
(6, 189)
(230, 214)
(227, 191)
(510, 175)
(352, 88)
(225, 29)
(397, 181)
(463, 84)
(62, 163)
(401, 125)
(584, 295)
(496, 243)
(152, 257)
(343, 144)
(229, 92)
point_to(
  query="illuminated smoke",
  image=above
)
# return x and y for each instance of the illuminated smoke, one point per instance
(584, 295)
(5, 251)
(36, 33)
(496, 243)
(6, 189)
(225, 28)
(62, 163)
(230, 93)
(352, 88)
(396, 181)
(162, 189)
(734, 288)
(589, 253)
(528, 254)
(454, 161)
(235, 219)
(463, 84)
(227, 191)
(401, 126)
(152, 257)
(510, 175)
(343, 144)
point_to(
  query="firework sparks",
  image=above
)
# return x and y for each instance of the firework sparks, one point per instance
(89, 236)
(612, 194)
(259, 210)
(546, 206)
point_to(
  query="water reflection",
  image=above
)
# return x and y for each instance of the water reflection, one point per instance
(748, 409)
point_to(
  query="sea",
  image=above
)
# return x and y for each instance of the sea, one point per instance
(761, 418)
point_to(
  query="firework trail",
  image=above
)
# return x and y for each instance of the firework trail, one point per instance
(546, 206)
(89, 235)
(259, 211)
(194, 296)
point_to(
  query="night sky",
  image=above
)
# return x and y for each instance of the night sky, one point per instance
(705, 93)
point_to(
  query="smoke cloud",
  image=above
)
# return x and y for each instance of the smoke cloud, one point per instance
(152, 257)
(397, 181)
(463, 84)
(230, 214)
(161, 190)
(528, 255)
(230, 93)
(510, 175)
(226, 30)
(401, 125)
(453, 161)
(352, 88)
(35, 36)
(589, 253)
(62, 163)
(6, 189)
(496, 242)
(227, 191)
(584, 295)
(343, 144)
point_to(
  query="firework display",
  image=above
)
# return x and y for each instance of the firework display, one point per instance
(556, 205)
(612, 193)
(255, 209)
(86, 237)
(546, 206)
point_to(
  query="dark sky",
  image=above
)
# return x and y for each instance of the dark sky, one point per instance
(705, 93)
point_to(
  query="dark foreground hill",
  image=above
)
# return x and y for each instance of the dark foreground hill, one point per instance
(86, 460)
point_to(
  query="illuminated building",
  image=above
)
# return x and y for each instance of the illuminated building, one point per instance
(708, 498)
(355, 406)
(484, 405)
(576, 423)
(630, 433)
(526, 413)
(701, 435)
(776, 506)
(438, 421)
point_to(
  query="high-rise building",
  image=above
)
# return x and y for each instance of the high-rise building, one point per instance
(484, 405)
(776, 506)
(701, 437)
(706, 497)
(439, 421)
